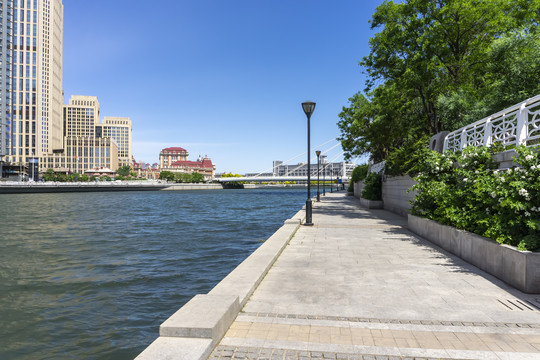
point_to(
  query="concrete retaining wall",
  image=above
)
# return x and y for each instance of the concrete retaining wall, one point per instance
(192, 332)
(395, 196)
(521, 269)
(358, 187)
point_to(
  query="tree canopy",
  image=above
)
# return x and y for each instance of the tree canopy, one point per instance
(439, 65)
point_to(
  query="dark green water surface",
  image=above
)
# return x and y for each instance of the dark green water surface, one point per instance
(92, 275)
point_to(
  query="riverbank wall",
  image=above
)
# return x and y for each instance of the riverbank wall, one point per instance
(54, 187)
(173, 187)
(194, 330)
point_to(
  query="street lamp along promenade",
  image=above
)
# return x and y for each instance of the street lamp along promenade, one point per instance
(309, 108)
(318, 152)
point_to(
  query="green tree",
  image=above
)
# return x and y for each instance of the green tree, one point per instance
(124, 170)
(429, 67)
(183, 178)
(49, 175)
(167, 175)
(197, 177)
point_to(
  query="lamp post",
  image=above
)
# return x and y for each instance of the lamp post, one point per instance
(32, 164)
(323, 180)
(309, 107)
(318, 152)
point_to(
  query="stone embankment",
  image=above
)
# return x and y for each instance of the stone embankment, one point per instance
(56, 187)
(356, 285)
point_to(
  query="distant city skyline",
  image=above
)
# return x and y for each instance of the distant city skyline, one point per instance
(222, 79)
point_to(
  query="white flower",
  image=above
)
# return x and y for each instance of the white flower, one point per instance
(496, 172)
(532, 167)
(477, 172)
(501, 200)
(527, 214)
(509, 170)
(529, 157)
(436, 168)
(524, 193)
(502, 179)
(538, 166)
(493, 194)
(465, 180)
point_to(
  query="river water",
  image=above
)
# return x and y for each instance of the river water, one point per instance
(93, 275)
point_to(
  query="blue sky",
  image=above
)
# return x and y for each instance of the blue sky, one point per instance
(219, 78)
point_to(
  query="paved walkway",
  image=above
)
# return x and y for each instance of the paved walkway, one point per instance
(359, 285)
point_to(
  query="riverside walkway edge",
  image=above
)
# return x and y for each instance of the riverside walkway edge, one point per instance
(193, 331)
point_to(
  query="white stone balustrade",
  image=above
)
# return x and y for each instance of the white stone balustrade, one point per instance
(516, 125)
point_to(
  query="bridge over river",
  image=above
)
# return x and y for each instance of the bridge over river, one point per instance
(297, 179)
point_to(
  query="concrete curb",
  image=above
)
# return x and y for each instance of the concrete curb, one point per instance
(195, 329)
(521, 269)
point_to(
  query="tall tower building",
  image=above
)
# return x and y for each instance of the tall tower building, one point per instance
(31, 99)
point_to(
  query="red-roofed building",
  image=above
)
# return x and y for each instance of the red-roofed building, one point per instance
(174, 159)
(172, 154)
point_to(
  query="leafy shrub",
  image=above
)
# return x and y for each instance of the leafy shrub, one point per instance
(372, 187)
(467, 191)
(359, 173)
(405, 159)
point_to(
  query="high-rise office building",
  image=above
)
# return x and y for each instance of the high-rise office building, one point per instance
(85, 145)
(31, 97)
(119, 129)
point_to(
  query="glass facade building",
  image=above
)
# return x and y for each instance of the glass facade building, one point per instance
(31, 84)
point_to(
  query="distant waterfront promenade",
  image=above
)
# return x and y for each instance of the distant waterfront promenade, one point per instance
(356, 285)
(12, 187)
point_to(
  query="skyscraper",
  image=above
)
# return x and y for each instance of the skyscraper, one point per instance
(31, 99)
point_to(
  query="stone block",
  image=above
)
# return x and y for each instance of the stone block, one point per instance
(204, 316)
(174, 348)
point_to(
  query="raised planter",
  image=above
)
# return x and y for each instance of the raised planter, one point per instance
(521, 269)
(371, 204)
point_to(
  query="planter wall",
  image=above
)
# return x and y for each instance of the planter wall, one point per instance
(371, 204)
(358, 188)
(521, 269)
(395, 197)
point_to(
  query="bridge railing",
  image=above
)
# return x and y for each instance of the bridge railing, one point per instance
(516, 125)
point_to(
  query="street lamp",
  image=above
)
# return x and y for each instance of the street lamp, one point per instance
(309, 107)
(318, 152)
(324, 180)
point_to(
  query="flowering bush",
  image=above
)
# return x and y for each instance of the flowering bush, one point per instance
(467, 191)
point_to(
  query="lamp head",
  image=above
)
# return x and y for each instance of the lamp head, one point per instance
(318, 152)
(309, 108)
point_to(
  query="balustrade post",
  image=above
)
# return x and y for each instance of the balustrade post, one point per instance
(463, 141)
(488, 133)
(521, 126)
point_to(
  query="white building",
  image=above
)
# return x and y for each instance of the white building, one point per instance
(328, 170)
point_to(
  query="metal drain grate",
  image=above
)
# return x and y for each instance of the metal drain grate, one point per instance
(519, 305)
